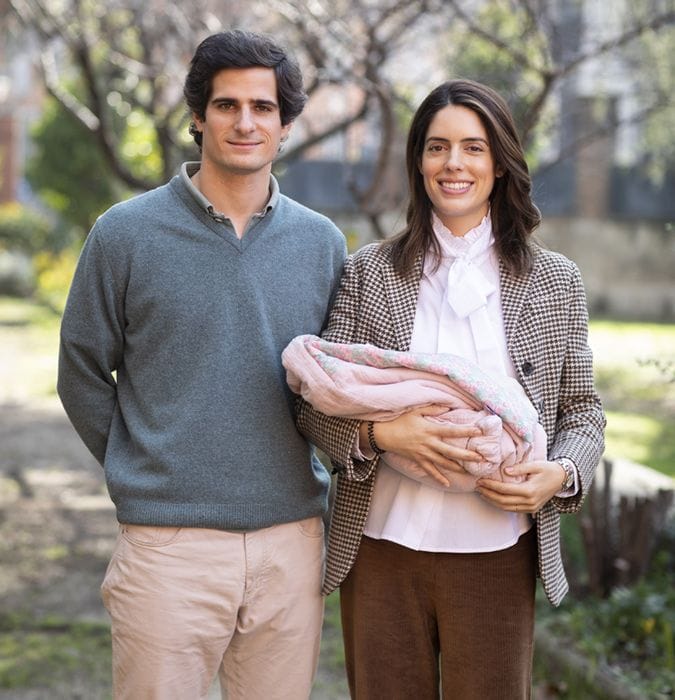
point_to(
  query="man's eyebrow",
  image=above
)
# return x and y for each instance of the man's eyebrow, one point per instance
(263, 102)
(260, 102)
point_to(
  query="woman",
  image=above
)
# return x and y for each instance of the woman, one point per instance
(437, 588)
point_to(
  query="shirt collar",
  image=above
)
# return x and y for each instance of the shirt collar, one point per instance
(187, 170)
(479, 238)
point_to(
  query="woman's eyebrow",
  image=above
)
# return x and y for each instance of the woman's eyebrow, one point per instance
(464, 140)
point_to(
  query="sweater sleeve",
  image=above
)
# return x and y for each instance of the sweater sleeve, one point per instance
(337, 436)
(580, 422)
(91, 348)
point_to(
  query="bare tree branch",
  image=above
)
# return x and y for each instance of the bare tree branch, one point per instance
(138, 52)
(636, 31)
(475, 28)
(531, 117)
(550, 75)
(81, 112)
(327, 133)
(607, 128)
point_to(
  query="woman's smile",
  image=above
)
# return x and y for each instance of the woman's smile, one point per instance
(458, 168)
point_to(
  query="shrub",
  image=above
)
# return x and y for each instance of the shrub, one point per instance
(23, 229)
(54, 274)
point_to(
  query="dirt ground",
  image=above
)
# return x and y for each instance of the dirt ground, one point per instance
(57, 529)
(57, 525)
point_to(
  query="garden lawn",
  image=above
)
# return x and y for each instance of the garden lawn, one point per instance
(635, 371)
(635, 375)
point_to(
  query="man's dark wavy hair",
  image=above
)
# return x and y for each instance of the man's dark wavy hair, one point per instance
(241, 49)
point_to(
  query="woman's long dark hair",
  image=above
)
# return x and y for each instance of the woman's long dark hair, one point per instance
(514, 215)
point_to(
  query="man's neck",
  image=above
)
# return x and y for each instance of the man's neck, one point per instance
(238, 197)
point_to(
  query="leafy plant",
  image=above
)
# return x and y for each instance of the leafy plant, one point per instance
(68, 170)
(630, 634)
(24, 229)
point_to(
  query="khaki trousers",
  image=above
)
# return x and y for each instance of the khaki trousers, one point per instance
(426, 625)
(189, 603)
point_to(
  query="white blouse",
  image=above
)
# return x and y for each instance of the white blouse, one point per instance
(459, 312)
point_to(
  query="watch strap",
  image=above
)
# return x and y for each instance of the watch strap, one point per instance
(570, 472)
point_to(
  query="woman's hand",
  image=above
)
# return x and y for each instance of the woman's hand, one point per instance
(411, 435)
(543, 480)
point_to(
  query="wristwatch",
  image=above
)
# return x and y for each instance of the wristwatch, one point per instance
(570, 472)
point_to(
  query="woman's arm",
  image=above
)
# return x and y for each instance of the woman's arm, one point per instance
(579, 426)
(410, 435)
(337, 436)
(580, 421)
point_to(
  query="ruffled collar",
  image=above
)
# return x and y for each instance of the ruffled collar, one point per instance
(471, 244)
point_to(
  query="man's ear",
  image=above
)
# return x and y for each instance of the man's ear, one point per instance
(285, 131)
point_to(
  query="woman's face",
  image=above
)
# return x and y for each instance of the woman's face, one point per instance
(458, 168)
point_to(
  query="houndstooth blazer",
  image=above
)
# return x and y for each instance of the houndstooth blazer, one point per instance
(545, 319)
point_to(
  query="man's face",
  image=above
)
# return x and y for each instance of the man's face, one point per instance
(242, 126)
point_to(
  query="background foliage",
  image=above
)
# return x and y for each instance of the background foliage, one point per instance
(119, 73)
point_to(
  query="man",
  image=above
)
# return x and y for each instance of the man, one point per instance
(182, 302)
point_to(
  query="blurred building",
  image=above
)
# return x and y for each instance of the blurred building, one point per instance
(597, 207)
(21, 97)
(590, 167)
(596, 151)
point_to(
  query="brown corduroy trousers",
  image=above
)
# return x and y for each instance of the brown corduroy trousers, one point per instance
(423, 625)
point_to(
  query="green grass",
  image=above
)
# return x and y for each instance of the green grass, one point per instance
(331, 682)
(635, 376)
(51, 652)
(628, 639)
(643, 439)
(634, 366)
(28, 350)
(24, 312)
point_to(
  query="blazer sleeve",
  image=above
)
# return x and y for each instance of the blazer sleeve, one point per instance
(337, 436)
(580, 420)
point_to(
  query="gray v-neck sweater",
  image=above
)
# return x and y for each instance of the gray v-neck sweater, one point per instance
(170, 368)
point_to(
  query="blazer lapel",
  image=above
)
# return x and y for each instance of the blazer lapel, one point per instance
(514, 294)
(401, 294)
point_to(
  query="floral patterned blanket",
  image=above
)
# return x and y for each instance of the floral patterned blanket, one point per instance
(368, 383)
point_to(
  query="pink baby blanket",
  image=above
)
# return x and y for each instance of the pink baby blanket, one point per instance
(368, 383)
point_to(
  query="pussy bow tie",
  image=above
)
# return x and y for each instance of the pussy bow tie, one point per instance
(468, 289)
(467, 295)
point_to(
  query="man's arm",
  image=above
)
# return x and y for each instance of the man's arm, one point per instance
(91, 348)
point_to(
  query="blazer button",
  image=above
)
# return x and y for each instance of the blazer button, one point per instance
(527, 368)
